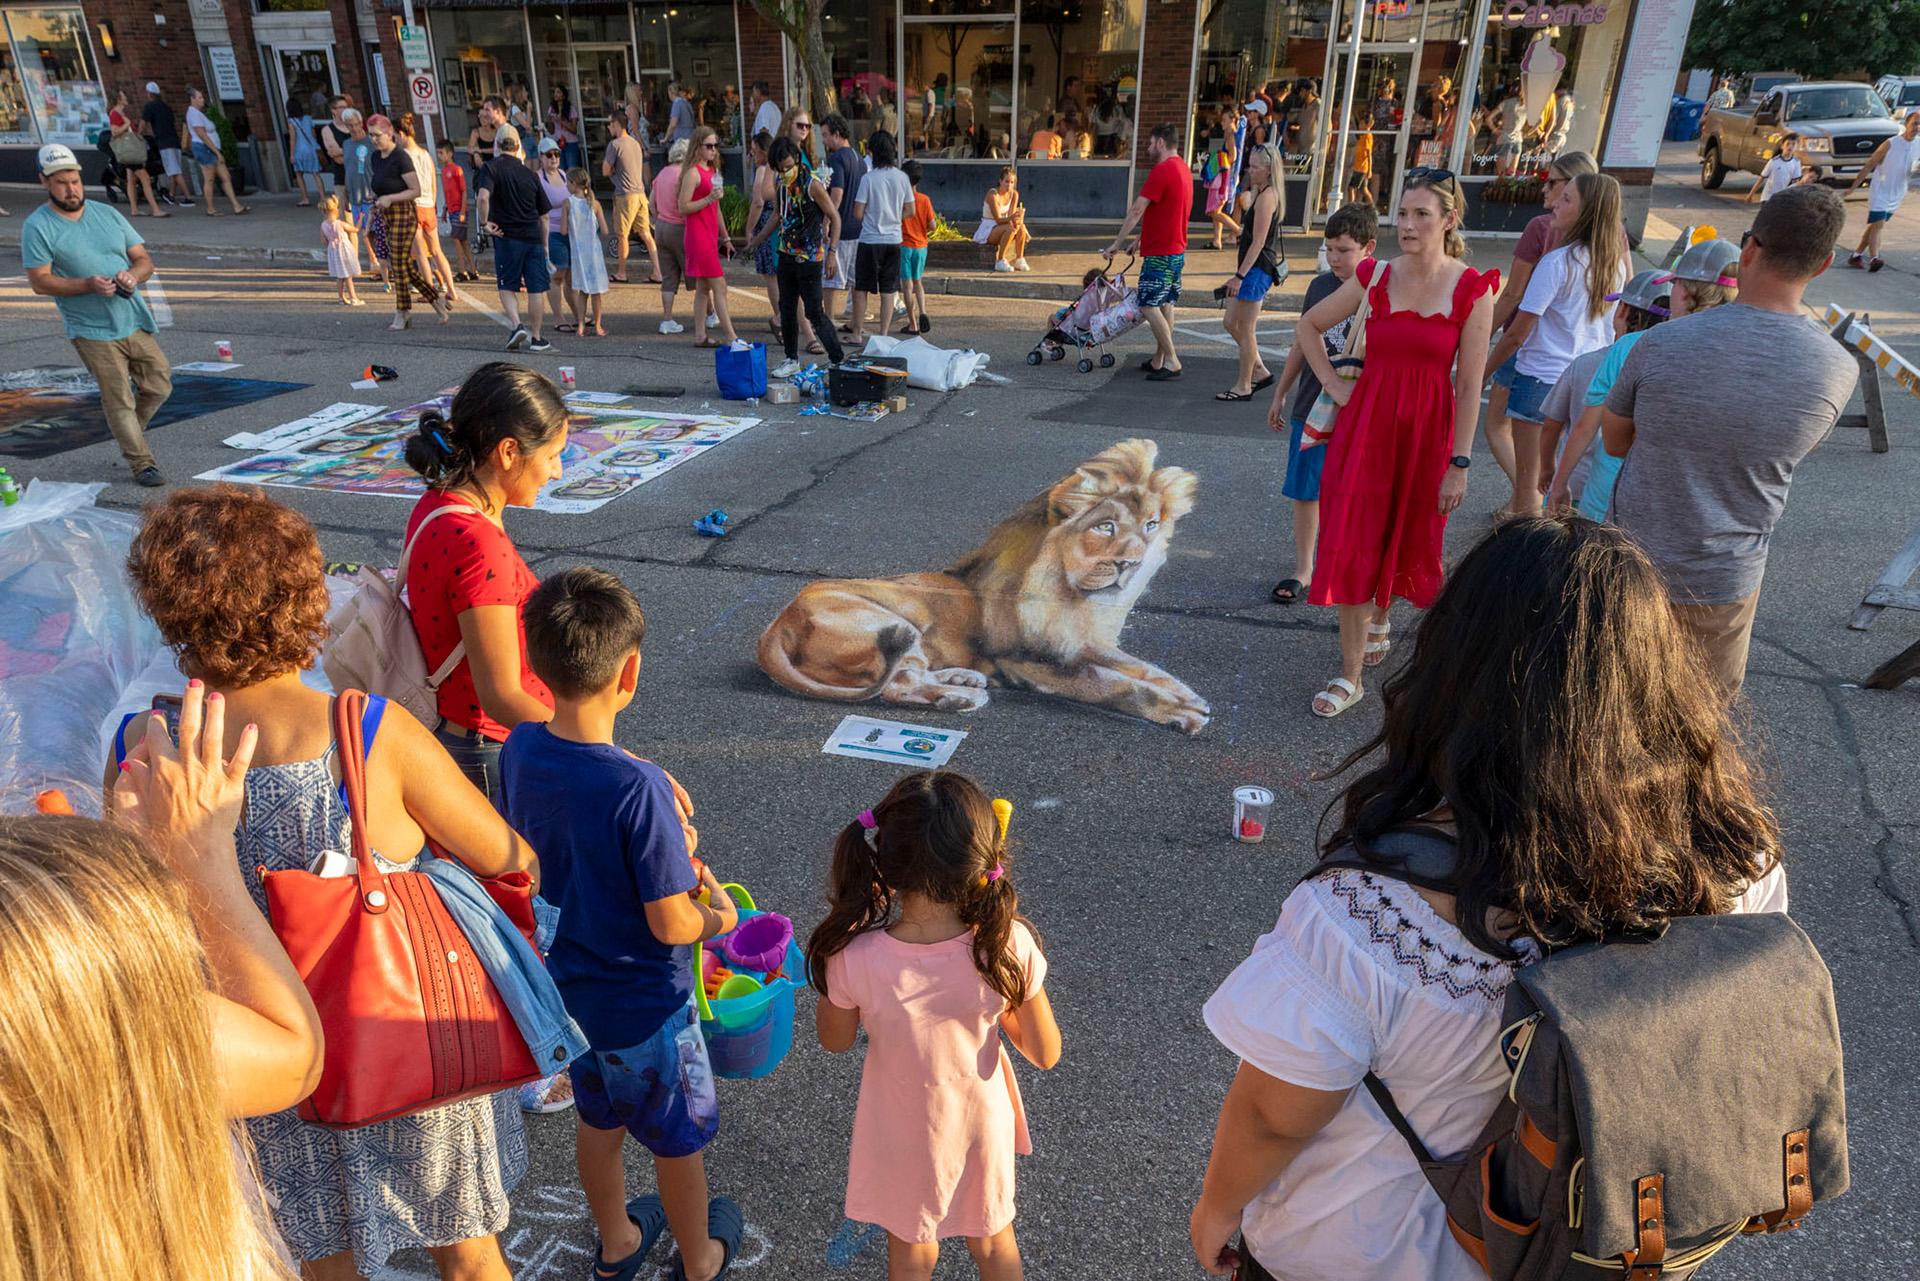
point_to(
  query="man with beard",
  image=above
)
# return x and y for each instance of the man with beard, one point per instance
(91, 262)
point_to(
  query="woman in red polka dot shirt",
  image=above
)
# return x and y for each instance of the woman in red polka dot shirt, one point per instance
(466, 584)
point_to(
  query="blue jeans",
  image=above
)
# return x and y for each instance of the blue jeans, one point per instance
(516, 969)
(478, 759)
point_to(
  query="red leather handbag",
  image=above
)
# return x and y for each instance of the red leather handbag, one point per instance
(411, 1019)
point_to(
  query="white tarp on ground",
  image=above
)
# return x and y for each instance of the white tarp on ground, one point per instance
(71, 640)
(930, 367)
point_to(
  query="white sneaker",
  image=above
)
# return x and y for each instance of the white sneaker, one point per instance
(713, 320)
(899, 307)
(672, 327)
(1001, 264)
(786, 368)
(1020, 264)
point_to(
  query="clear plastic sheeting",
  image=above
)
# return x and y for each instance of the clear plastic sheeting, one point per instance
(71, 640)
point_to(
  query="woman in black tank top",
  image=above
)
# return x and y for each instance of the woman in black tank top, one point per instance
(1261, 262)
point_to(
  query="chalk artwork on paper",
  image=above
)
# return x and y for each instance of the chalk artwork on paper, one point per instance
(206, 367)
(596, 398)
(896, 742)
(609, 452)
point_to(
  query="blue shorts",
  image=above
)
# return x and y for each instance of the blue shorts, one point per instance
(659, 1091)
(1159, 280)
(457, 225)
(1254, 285)
(559, 252)
(1878, 215)
(1526, 396)
(517, 263)
(913, 262)
(1504, 376)
(1303, 465)
(204, 155)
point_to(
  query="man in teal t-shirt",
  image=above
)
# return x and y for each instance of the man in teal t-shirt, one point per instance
(91, 262)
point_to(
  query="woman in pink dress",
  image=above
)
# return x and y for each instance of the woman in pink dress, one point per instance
(1397, 464)
(925, 947)
(706, 236)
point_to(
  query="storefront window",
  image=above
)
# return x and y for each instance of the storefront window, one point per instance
(56, 73)
(482, 52)
(1548, 87)
(1079, 60)
(16, 125)
(965, 70)
(691, 43)
(1273, 47)
(860, 44)
(956, 8)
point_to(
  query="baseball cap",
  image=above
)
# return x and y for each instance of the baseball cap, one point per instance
(1645, 291)
(1255, 108)
(546, 145)
(153, 86)
(56, 158)
(1710, 262)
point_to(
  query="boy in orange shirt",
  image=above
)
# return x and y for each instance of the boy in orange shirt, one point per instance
(914, 227)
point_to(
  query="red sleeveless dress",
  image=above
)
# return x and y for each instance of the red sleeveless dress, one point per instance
(1380, 521)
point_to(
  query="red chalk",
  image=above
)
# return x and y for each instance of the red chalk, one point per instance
(1252, 829)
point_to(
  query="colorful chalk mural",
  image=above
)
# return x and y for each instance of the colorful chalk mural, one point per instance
(50, 410)
(610, 451)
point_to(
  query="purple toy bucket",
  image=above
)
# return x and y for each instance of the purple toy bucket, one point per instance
(759, 943)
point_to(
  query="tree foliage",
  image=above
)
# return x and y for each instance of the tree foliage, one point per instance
(1819, 39)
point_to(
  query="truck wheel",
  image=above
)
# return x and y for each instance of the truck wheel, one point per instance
(1712, 172)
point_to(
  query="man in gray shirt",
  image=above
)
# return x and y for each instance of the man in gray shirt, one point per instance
(1717, 410)
(626, 164)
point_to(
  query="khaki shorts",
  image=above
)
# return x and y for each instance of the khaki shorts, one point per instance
(630, 215)
(1724, 633)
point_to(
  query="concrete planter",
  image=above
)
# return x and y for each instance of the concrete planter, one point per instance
(957, 255)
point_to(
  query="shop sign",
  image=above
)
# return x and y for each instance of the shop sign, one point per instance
(1518, 13)
(413, 47)
(226, 73)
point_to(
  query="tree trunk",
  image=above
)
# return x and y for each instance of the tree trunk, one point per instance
(818, 71)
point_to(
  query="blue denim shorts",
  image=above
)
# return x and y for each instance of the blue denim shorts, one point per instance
(1159, 280)
(204, 155)
(519, 262)
(1525, 396)
(1504, 376)
(659, 1091)
(1254, 285)
(559, 252)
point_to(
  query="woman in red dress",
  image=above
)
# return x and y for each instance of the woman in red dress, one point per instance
(1397, 463)
(700, 188)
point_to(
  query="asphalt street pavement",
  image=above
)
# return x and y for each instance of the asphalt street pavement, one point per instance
(1124, 857)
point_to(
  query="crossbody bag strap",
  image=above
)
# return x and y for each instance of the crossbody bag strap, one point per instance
(459, 651)
(1383, 1097)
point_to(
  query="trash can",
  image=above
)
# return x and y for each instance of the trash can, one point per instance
(1683, 119)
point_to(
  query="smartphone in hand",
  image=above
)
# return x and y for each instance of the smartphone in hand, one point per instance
(168, 705)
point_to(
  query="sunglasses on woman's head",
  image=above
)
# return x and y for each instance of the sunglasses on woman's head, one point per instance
(1425, 174)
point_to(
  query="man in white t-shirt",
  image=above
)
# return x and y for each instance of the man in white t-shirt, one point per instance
(1890, 170)
(883, 198)
(1781, 172)
(766, 112)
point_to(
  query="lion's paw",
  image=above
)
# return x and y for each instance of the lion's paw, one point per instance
(964, 676)
(956, 698)
(1188, 721)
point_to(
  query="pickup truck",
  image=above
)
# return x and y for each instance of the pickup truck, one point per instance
(1840, 124)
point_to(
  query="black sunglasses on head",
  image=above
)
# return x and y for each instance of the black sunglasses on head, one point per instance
(1424, 173)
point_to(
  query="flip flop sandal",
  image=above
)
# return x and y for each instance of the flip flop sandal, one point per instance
(1287, 591)
(1233, 395)
(815, 349)
(244, 209)
(1378, 643)
(1148, 366)
(1339, 695)
(651, 1218)
(1163, 375)
(707, 342)
(726, 1225)
(1262, 384)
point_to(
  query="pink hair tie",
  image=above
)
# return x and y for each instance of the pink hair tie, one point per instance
(872, 825)
(997, 871)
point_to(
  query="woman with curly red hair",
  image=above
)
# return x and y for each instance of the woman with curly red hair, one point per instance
(236, 585)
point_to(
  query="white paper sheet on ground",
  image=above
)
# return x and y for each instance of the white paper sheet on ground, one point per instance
(206, 367)
(893, 741)
(338, 414)
(595, 398)
(930, 367)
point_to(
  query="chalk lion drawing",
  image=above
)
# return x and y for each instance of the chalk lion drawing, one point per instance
(1039, 605)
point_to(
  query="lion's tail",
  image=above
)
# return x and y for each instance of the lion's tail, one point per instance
(775, 661)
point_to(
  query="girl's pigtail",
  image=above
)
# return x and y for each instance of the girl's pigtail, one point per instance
(857, 900)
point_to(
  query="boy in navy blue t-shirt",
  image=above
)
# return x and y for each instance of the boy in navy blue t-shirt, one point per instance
(611, 833)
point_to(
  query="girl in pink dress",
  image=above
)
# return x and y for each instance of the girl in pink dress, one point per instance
(700, 187)
(1397, 464)
(925, 947)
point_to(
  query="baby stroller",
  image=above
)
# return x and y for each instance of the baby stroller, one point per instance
(1107, 308)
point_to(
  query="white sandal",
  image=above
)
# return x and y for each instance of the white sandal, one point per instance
(1346, 696)
(1378, 643)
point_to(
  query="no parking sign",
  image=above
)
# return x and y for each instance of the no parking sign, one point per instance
(426, 93)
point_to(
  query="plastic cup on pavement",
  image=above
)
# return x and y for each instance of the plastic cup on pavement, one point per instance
(223, 349)
(1251, 806)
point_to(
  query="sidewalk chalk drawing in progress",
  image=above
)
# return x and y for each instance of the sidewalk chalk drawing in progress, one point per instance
(360, 449)
(869, 739)
(1038, 606)
(50, 410)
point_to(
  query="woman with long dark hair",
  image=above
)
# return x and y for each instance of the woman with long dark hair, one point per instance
(1555, 749)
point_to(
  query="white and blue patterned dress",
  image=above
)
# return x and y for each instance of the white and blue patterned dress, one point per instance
(583, 243)
(430, 1179)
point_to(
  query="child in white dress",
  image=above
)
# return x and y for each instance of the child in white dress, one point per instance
(586, 236)
(343, 250)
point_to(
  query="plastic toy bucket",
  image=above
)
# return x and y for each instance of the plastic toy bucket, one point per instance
(747, 1036)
